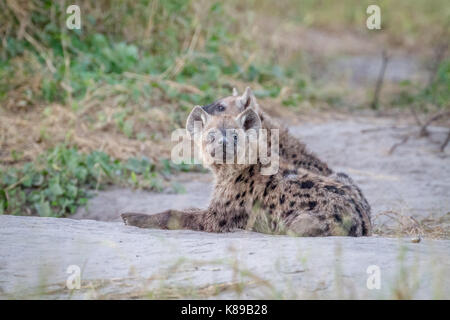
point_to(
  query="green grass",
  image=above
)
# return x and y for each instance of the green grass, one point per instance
(97, 58)
(63, 179)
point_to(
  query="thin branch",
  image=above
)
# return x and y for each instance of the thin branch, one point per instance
(379, 83)
(445, 142)
(404, 140)
(437, 116)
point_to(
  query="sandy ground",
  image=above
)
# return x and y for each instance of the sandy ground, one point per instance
(413, 180)
(118, 262)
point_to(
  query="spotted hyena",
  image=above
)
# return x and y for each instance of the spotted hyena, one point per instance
(294, 200)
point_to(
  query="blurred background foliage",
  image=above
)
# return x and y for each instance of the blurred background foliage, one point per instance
(81, 109)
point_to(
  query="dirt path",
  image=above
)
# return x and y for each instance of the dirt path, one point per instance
(122, 262)
(118, 261)
(413, 180)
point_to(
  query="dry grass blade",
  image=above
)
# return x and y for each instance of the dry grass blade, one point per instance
(405, 225)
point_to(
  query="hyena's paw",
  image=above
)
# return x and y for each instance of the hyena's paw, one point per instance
(136, 219)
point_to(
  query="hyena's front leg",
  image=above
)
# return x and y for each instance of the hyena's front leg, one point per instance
(169, 219)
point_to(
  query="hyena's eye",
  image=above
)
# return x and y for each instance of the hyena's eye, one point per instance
(220, 108)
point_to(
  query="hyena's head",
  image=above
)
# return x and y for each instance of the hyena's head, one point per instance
(224, 139)
(234, 104)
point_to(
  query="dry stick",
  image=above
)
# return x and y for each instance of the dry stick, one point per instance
(380, 79)
(383, 128)
(404, 140)
(437, 116)
(416, 117)
(445, 142)
(41, 51)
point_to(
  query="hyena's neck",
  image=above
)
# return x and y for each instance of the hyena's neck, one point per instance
(235, 173)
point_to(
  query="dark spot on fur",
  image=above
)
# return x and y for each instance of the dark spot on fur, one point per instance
(238, 179)
(359, 211)
(201, 228)
(288, 172)
(241, 203)
(312, 204)
(307, 184)
(288, 213)
(246, 180)
(333, 189)
(243, 194)
(227, 203)
(237, 218)
(238, 196)
(352, 231)
(273, 186)
(252, 183)
(337, 217)
(272, 206)
(222, 223)
(282, 199)
(251, 171)
(291, 204)
(364, 228)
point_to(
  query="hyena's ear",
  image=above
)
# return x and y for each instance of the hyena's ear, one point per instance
(249, 119)
(235, 92)
(196, 120)
(247, 99)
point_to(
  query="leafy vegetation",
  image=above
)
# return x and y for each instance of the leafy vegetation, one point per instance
(436, 94)
(62, 179)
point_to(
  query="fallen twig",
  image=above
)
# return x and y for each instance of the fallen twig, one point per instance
(383, 128)
(379, 83)
(445, 142)
(404, 140)
(423, 130)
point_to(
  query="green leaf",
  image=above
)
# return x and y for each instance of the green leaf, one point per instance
(43, 209)
(56, 189)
